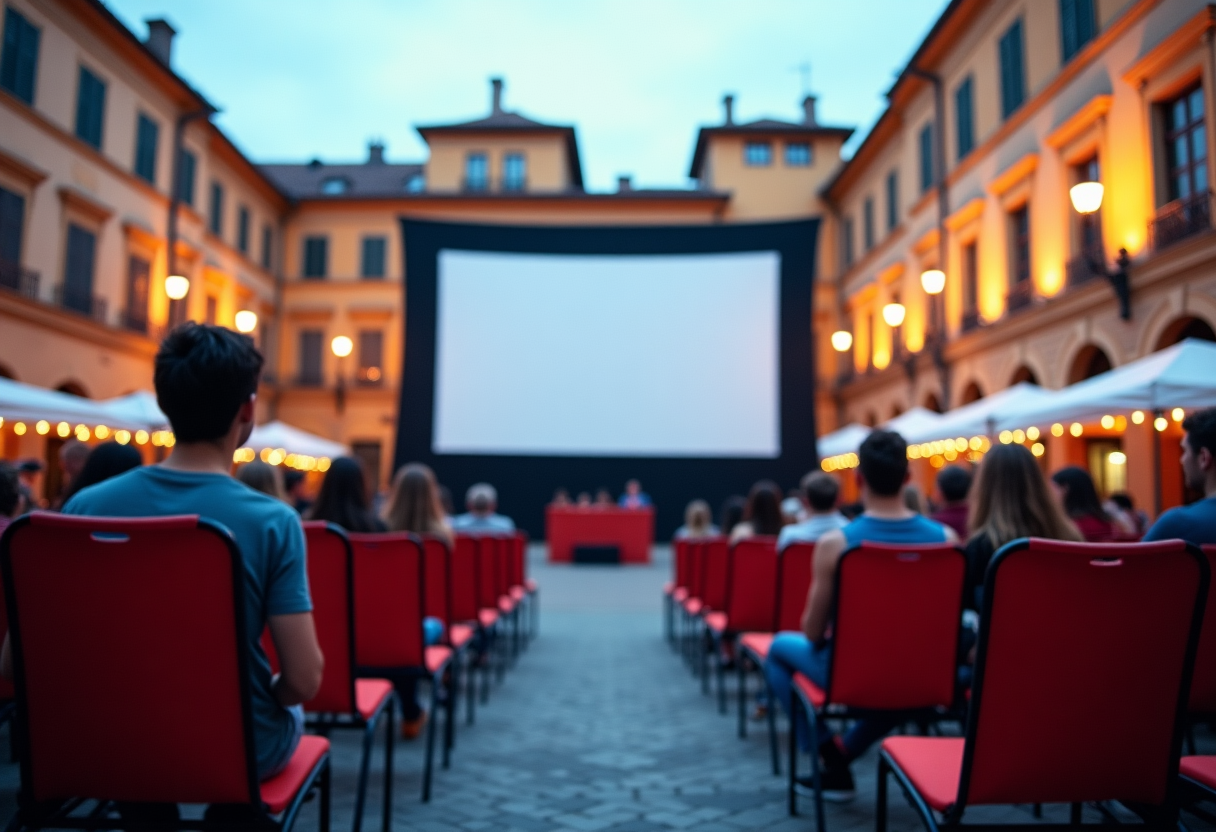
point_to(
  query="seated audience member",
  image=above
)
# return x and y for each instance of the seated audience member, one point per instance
(561, 498)
(698, 522)
(206, 383)
(109, 459)
(72, 456)
(1075, 489)
(293, 488)
(915, 500)
(445, 500)
(882, 474)
(603, 499)
(953, 485)
(793, 507)
(821, 492)
(29, 473)
(634, 496)
(1010, 499)
(11, 501)
(1195, 523)
(584, 500)
(264, 477)
(762, 514)
(343, 498)
(733, 508)
(482, 517)
(1118, 508)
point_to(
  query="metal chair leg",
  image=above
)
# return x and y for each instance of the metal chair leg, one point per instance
(430, 742)
(880, 807)
(386, 821)
(369, 739)
(323, 804)
(470, 685)
(741, 667)
(449, 716)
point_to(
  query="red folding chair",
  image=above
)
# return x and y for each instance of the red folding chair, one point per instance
(690, 607)
(466, 605)
(344, 701)
(1198, 779)
(1203, 682)
(1081, 682)
(489, 609)
(509, 603)
(714, 583)
(457, 636)
(750, 600)
(895, 637)
(389, 639)
(675, 590)
(95, 607)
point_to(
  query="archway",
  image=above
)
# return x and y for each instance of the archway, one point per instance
(932, 403)
(5, 372)
(73, 388)
(1090, 361)
(1185, 327)
(896, 411)
(871, 419)
(1024, 374)
(972, 393)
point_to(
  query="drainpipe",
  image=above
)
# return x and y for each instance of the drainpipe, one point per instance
(179, 130)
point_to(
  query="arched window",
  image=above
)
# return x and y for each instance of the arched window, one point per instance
(1090, 361)
(972, 393)
(1183, 328)
(1025, 374)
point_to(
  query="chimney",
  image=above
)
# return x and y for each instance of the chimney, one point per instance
(496, 96)
(808, 111)
(375, 152)
(624, 184)
(160, 39)
(729, 104)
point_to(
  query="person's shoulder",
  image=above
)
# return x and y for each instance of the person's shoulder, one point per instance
(461, 521)
(1183, 521)
(111, 494)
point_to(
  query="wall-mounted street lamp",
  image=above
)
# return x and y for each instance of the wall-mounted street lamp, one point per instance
(893, 314)
(842, 340)
(177, 286)
(246, 321)
(341, 346)
(1086, 199)
(933, 281)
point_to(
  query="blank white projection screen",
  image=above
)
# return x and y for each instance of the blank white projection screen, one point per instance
(607, 355)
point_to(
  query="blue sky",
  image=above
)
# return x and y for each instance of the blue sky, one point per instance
(307, 78)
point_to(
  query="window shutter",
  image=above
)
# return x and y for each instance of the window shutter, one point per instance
(78, 271)
(310, 356)
(138, 272)
(926, 157)
(12, 220)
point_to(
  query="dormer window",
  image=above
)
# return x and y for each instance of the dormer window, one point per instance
(757, 154)
(798, 154)
(476, 172)
(334, 185)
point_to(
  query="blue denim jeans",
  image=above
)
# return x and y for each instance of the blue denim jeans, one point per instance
(296, 712)
(792, 653)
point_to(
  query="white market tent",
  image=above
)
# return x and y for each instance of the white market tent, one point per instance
(282, 436)
(133, 411)
(848, 439)
(980, 417)
(1183, 375)
(20, 402)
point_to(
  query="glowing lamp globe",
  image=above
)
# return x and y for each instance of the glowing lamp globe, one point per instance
(1086, 196)
(893, 314)
(842, 340)
(342, 346)
(933, 281)
(177, 286)
(246, 321)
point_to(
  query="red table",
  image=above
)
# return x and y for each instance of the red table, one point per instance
(631, 530)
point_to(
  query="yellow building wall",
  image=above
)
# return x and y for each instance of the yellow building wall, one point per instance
(547, 166)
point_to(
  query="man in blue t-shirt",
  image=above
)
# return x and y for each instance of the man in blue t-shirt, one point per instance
(1195, 523)
(206, 383)
(882, 473)
(482, 516)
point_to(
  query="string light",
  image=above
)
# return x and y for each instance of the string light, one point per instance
(1108, 422)
(1006, 437)
(1116, 458)
(1032, 433)
(101, 432)
(1137, 417)
(19, 428)
(1177, 414)
(43, 427)
(1160, 423)
(1037, 449)
(1057, 429)
(122, 437)
(1019, 436)
(63, 429)
(141, 437)
(1120, 423)
(1076, 429)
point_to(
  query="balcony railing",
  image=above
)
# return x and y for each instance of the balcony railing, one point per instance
(70, 297)
(1020, 296)
(1079, 270)
(15, 278)
(971, 320)
(1180, 219)
(141, 324)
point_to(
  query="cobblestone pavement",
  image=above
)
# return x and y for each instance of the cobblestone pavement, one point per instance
(600, 727)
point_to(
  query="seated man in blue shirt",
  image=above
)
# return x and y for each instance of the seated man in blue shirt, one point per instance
(206, 383)
(634, 496)
(482, 517)
(1195, 523)
(882, 473)
(820, 491)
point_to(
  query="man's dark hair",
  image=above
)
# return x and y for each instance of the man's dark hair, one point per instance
(954, 481)
(1200, 429)
(883, 461)
(203, 375)
(821, 491)
(10, 489)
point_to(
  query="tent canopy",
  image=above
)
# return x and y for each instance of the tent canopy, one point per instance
(133, 411)
(848, 439)
(20, 402)
(979, 417)
(280, 435)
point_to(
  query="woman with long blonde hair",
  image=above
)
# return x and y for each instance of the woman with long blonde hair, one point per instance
(1010, 499)
(414, 505)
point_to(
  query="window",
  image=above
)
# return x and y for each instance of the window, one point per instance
(310, 357)
(216, 222)
(846, 242)
(757, 154)
(334, 185)
(12, 226)
(514, 172)
(186, 163)
(19, 61)
(242, 229)
(867, 222)
(267, 247)
(138, 277)
(78, 269)
(971, 278)
(373, 256)
(371, 356)
(926, 158)
(212, 310)
(797, 154)
(1078, 25)
(892, 200)
(415, 183)
(316, 257)
(1013, 82)
(964, 113)
(90, 108)
(1186, 145)
(476, 172)
(1019, 239)
(147, 133)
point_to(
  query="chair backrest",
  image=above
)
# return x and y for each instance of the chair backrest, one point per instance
(895, 635)
(715, 560)
(331, 584)
(751, 593)
(516, 547)
(487, 571)
(679, 563)
(138, 623)
(389, 600)
(696, 559)
(1082, 672)
(438, 586)
(463, 577)
(1203, 682)
(6, 687)
(793, 584)
(505, 555)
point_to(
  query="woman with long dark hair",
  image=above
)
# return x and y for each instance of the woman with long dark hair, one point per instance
(762, 516)
(1075, 490)
(343, 498)
(109, 459)
(414, 505)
